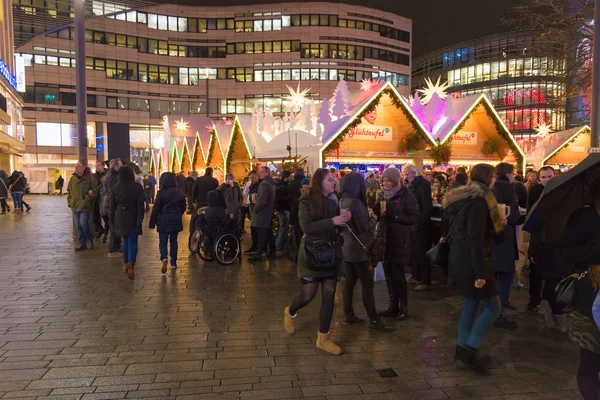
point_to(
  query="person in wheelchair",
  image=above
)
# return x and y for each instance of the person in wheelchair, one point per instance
(214, 221)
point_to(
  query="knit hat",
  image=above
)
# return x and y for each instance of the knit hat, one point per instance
(392, 174)
(305, 181)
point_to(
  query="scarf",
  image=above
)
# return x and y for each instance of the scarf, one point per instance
(389, 194)
(492, 204)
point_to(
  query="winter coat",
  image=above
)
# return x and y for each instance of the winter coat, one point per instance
(169, 206)
(282, 196)
(181, 183)
(202, 186)
(18, 182)
(262, 213)
(215, 214)
(253, 189)
(3, 185)
(504, 246)
(189, 186)
(60, 182)
(534, 194)
(296, 185)
(233, 198)
(110, 179)
(78, 197)
(421, 188)
(127, 204)
(521, 192)
(322, 229)
(470, 228)
(396, 225)
(353, 190)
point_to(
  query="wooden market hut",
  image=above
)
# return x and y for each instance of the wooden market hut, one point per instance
(567, 147)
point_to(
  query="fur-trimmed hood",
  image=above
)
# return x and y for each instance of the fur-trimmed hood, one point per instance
(471, 190)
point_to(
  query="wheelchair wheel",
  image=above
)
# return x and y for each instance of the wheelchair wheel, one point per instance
(227, 249)
(205, 250)
(194, 241)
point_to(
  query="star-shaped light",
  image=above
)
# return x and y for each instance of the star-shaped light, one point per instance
(165, 122)
(208, 127)
(433, 88)
(228, 122)
(296, 97)
(366, 85)
(182, 125)
(543, 129)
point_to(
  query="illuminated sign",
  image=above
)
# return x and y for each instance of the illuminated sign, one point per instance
(533, 94)
(371, 132)
(20, 67)
(468, 138)
(5, 72)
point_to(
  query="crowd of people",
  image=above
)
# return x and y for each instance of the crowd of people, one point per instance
(337, 215)
(15, 185)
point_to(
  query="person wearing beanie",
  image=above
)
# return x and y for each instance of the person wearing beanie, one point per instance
(396, 214)
(371, 182)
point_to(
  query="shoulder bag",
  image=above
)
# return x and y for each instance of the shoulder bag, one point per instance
(565, 289)
(438, 254)
(322, 254)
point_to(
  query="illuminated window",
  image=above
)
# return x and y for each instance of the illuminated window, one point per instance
(163, 22)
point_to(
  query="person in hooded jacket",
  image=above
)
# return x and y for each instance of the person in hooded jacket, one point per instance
(232, 194)
(400, 213)
(16, 184)
(3, 191)
(296, 184)
(127, 215)
(110, 179)
(473, 218)
(167, 213)
(353, 190)
(81, 192)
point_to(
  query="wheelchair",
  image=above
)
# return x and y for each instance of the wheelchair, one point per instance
(215, 242)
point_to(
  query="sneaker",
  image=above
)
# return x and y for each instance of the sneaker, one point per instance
(350, 318)
(422, 287)
(115, 254)
(509, 306)
(28, 208)
(81, 248)
(503, 323)
(173, 267)
(534, 307)
(163, 270)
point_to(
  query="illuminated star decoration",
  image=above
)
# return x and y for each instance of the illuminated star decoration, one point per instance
(542, 129)
(208, 128)
(182, 125)
(431, 89)
(228, 122)
(296, 97)
(165, 122)
(366, 85)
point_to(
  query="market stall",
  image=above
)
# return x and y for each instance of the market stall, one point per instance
(567, 148)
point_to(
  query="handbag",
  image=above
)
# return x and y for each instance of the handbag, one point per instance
(565, 289)
(290, 248)
(322, 254)
(374, 258)
(439, 254)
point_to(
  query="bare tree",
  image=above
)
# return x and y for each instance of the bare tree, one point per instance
(565, 28)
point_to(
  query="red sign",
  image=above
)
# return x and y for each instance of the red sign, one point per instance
(371, 132)
(533, 94)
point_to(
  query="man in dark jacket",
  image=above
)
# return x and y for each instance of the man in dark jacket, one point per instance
(202, 186)
(537, 253)
(262, 216)
(282, 206)
(81, 192)
(421, 241)
(167, 216)
(504, 247)
(296, 184)
(110, 179)
(97, 217)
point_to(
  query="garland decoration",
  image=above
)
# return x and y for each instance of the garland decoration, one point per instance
(213, 140)
(409, 143)
(335, 143)
(441, 153)
(490, 147)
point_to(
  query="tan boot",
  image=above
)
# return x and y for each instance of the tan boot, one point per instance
(561, 322)
(288, 321)
(325, 344)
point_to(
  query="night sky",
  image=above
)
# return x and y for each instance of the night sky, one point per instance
(436, 23)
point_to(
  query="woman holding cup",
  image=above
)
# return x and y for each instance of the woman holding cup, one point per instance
(397, 213)
(319, 255)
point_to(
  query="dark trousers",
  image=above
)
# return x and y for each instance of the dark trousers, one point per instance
(354, 272)
(396, 285)
(163, 240)
(421, 269)
(106, 220)
(505, 281)
(4, 204)
(549, 294)
(535, 284)
(254, 236)
(245, 213)
(97, 218)
(587, 374)
(114, 241)
(265, 239)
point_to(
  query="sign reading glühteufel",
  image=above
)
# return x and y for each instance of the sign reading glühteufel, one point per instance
(371, 132)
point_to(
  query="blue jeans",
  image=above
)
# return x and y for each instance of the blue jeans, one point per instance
(284, 221)
(505, 281)
(17, 200)
(163, 238)
(130, 247)
(470, 330)
(83, 226)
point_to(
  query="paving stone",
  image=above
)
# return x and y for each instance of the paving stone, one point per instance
(76, 372)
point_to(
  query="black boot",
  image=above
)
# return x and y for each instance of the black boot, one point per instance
(466, 358)
(403, 314)
(350, 318)
(378, 325)
(390, 312)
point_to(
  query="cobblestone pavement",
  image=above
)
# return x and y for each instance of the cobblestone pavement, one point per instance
(72, 326)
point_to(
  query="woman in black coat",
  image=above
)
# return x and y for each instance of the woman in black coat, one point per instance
(127, 215)
(401, 213)
(473, 218)
(167, 213)
(421, 239)
(3, 191)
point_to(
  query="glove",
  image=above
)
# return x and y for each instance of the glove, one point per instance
(139, 221)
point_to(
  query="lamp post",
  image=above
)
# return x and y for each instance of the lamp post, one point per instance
(595, 119)
(80, 88)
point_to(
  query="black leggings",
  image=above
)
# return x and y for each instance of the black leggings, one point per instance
(4, 204)
(587, 374)
(308, 291)
(354, 272)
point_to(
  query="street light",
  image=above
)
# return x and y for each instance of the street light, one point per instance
(80, 88)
